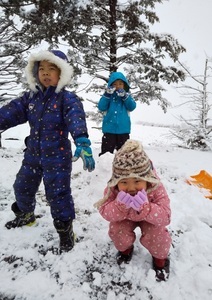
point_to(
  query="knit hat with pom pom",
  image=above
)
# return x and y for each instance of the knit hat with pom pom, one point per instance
(132, 161)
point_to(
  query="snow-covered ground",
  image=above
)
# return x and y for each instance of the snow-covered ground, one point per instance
(28, 271)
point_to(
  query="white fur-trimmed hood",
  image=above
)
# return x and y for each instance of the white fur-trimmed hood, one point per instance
(66, 70)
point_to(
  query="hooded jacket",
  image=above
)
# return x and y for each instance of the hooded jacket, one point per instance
(52, 114)
(116, 119)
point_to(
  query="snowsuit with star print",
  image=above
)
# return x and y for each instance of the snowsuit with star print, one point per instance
(152, 221)
(52, 114)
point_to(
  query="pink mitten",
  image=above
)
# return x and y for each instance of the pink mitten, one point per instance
(124, 198)
(138, 200)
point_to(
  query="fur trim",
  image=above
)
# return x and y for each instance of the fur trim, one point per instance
(66, 70)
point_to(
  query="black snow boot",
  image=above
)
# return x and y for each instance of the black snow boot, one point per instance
(161, 267)
(21, 218)
(66, 234)
(124, 256)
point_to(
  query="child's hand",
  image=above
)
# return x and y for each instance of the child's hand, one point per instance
(84, 151)
(138, 200)
(124, 198)
(110, 89)
(121, 92)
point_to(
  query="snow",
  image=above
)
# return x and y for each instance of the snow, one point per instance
(30, 272)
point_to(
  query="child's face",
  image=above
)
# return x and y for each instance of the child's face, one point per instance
(48, 74)
(132, 185)
(118, 84)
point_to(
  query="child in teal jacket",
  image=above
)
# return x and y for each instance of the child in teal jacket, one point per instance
(116, 103)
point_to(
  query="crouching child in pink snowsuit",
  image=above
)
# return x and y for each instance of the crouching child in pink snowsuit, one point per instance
(135, 197)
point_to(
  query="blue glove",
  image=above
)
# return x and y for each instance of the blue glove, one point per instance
(121, 92)
(110, 89)
(84, 151)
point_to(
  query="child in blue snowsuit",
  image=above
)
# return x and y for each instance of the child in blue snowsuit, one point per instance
(52, 112)
(116, 104)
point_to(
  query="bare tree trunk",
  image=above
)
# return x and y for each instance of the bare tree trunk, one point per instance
(204, 99)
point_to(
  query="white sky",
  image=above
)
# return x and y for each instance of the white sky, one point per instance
(190, 22)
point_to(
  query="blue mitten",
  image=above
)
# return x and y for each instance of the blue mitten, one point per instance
(84, 151)
(110, 90)
(121, 92)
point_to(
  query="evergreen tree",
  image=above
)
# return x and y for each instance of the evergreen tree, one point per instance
(10, 58)
(105, 36)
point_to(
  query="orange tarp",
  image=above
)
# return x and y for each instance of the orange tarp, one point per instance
(203, 180)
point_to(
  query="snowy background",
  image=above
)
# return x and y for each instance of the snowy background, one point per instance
(28, 271)
(190, 22)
